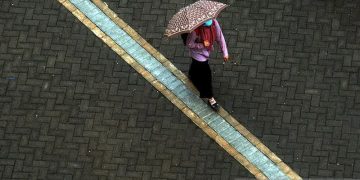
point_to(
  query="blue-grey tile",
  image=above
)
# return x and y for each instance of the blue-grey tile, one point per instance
(240, 141)
(228, 132)
(234, 136)
(217, 122)
(97, 16)
(109, 29)
(152, 60)
(92, 12)
(196, 101)
(79, 2)
(112, 30)
(177, 84)
(200, 107)
(132, 50)
(240, 144)
(141, 53)
(205, 113)
(177, 87)
(107, 25)
(247, 151)
(143, 60)
(221, 127)
(167, 82)
(101, 21)
(225, 129)
(187, 99)
(190, 102)
(116, 33)
(279, 175)
(258, 158)
(268, 165)
(86, 9)
(158, 72)
(153, 65)
(185, 93)
(163, 76)
(76, 1)
(272, 171)
(127, 43)
(122, 40)
(212, 118)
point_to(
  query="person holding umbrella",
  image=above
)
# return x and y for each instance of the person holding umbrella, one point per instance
(200, 30)
(200, 42)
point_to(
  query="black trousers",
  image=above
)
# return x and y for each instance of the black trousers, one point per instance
(200, 75)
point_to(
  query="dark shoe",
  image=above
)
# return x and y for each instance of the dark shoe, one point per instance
(215, 106)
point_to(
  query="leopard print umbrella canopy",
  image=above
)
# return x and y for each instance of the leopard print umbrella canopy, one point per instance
(193, 16)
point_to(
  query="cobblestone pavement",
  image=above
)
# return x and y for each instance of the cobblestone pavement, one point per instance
(71, 109)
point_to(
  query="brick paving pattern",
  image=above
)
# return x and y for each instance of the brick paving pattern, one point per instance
(70, 109)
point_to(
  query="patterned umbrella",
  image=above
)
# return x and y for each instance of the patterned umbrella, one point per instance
(193, 16)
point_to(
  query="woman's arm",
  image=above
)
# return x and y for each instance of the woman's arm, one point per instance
(220, 39)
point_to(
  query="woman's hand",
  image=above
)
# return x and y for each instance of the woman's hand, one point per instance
(226, 58)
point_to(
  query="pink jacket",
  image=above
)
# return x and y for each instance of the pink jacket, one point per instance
(198, 50)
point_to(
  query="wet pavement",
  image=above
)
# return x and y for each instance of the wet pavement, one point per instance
(71, 109)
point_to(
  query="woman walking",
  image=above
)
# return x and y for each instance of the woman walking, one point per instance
(200, 43)
(199, 37)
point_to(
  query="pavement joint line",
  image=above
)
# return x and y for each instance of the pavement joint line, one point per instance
(290, 174)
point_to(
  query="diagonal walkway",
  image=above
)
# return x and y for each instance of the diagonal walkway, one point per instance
(174, 85)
